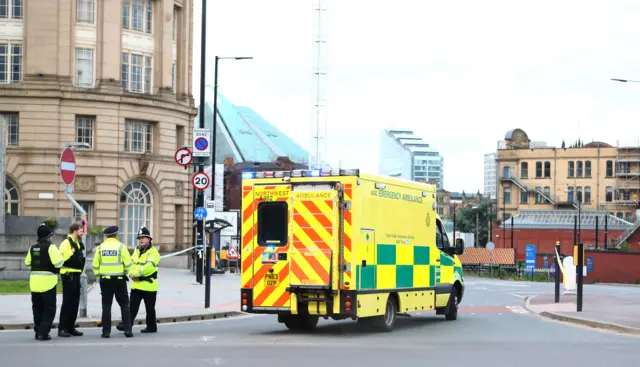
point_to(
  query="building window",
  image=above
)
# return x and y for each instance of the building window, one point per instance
(506, 195)
(137, 136)
(13, 128)
(609, 194)
(84, 129)
(570, 194)
(135, 211)
(547, 169)
(579, 193)
(571, 170)
(84, 67)
(524, 197)
(88, 207)
(136, 15)
(587, 169)
(11, 199)
(524, 170)
(10, 62)
(587, 194)
(173, 77)
(538, 169)
(539, 199)
(609, 168)
(11, 9)
(579, 169)
(136, 72)
(85, 11)
(547, 193)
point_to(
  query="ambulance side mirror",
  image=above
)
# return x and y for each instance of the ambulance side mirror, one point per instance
(459, 247)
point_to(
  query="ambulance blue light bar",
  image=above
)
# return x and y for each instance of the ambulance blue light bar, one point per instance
(300, 173)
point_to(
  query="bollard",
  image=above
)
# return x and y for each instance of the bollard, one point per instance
(557, 271)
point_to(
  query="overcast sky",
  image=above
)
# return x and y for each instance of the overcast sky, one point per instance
(460, 74)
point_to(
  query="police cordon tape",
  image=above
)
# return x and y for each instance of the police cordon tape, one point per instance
(161, 320)
(177, 252)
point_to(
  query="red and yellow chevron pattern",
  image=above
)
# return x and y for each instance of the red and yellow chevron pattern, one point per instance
(313, 237)
(348, 281)
(253, 270)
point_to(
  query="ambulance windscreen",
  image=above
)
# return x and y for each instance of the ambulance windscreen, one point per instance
(273, 223)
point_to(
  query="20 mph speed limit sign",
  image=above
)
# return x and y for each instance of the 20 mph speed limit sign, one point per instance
(201, 181)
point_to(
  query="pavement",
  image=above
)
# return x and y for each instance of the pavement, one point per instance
(619, 313)
(180, 298)
(493, 328)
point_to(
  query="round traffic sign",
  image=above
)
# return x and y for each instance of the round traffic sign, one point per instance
(200, 181)
(183, 157)
(201, 143)
(491, 246)
(68, 166)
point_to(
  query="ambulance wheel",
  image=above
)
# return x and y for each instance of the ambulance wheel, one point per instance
(387, 321)
(452, 309)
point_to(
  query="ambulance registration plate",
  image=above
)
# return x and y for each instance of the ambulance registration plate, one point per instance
(271, 280)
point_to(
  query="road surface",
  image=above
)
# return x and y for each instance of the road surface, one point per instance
(492, 329)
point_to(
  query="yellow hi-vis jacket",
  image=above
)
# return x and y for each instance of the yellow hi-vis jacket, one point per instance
(112, 259)
(65, 250)
(42, 281)
(145, 269)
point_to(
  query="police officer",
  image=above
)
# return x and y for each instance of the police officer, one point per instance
(144, 274)
(111, 264)
(45, 262)
(71, 249)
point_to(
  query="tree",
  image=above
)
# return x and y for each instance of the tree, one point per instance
(466, 220)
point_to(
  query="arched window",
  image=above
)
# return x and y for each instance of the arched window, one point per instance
(135, 211)
(11, 199)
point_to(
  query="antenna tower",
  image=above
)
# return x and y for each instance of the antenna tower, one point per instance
(317, 155)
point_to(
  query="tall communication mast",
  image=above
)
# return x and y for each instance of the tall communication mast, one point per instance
(318, 151)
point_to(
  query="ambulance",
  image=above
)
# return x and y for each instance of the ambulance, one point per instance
(344, 245)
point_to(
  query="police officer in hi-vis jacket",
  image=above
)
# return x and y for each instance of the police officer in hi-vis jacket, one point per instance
(144, 274)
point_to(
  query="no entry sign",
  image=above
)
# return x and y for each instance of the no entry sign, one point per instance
(68, 166)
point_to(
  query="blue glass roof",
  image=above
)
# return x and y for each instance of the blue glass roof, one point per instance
(247, 137)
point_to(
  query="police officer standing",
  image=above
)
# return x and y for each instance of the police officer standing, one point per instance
(71, 249)
(45, 262)
(111, 264)
(144, 274)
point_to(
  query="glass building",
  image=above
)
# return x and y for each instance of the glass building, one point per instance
(405, 155)
(243, 135)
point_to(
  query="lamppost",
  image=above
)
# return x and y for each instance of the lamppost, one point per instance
(207, 291)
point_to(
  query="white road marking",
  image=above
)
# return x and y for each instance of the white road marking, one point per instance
(518, 309)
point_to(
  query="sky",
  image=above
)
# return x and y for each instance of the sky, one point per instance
(460, 74)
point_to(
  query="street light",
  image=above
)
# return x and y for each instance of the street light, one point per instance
(207, 291)
(625, 80)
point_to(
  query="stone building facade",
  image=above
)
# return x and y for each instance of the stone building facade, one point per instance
(116, 76)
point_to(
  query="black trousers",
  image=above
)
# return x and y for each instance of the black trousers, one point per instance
(149, 299)
(110, 287)
(70, 301)
(44, 310)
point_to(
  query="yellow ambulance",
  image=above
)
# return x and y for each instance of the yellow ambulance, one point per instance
(344, 245)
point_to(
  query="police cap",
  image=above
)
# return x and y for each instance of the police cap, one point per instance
(110, 231)
(44, 231)
(144, 232)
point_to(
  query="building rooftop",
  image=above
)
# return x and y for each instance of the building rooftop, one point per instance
(247, 137)
(564, 219)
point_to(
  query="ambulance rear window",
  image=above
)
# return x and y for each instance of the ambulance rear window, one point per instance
(273, 223)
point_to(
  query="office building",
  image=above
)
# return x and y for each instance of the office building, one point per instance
(114, 76)
(490, 175)
(405, 155)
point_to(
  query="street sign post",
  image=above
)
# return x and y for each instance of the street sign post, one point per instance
(490, 247)
(201, 146)
(68, 166)
(201, 181)
(183, 157)
(556, 263)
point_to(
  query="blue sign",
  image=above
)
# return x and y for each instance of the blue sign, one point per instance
(589, 264)
(200, 213)
(530, 258)
(546, 262)
(202, 143)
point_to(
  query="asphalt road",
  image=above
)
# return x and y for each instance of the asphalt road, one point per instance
(492, 329)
